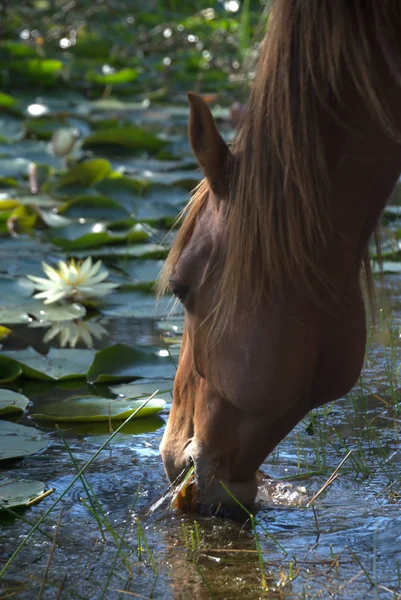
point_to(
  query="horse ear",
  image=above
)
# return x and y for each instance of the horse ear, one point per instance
(209, 148)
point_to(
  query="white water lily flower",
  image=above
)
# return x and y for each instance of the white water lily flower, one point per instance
(63, 141)
(71, 332)
(73, 281)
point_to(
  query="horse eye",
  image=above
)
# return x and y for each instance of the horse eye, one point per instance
(180, 291)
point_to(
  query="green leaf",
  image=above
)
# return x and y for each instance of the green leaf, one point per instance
(134, 251)
(135, 304)
(15, 492)
(99, 431)
(86, 173)
(17, 441)
(7, 101)
(90, 235)
(95, 408)
(145, 388)
(10, 369)
(94, 207)
(24, 312)
(57, 364)
(126, 75)
(125, 191)
(44, 70)
(121, 362)
(12, 402)
(43, 127)
(143, 272)
(8, 182)
(129, 138)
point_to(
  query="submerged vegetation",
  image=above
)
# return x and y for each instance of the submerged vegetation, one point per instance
(94, 169)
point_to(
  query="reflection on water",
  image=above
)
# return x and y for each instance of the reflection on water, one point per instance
(69, 333)
(347, 546)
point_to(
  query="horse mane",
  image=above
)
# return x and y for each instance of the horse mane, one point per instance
(278, 218)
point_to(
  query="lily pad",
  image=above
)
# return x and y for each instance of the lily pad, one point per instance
(134, 251)
(126, 75)
(94, 207)
(15, 492)
(33, 70)
(17, 441)
(12, 402)
(144, 388)
(86, 173)
(79, 236)
(129, 138)
(23, 311)
(57, 364)
(95, 408)
(136, 304)
(121, 362)
(143, 272)
(43, 127)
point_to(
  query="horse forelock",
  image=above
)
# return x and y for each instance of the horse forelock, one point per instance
(278, 221)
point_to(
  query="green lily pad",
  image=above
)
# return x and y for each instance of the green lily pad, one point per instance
(43, 127)
(79, 236)
(143, 272)
(59, 363)
(15, 492)
(126, 191)
(144, 388)
(94, 207)
(7, 101)
(17, 441)
(95, 408)
(136, 304)
(33, 70)
(134, 251)
(129, 138)
(121, 362)
(99, 431)
(12, 402)
(10, 369)
(126, 75)
(86, 173)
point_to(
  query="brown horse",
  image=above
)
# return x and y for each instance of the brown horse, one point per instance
(268, 260)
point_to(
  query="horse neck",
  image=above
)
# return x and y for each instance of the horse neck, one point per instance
(364, 163)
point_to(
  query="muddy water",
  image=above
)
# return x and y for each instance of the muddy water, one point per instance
(349, 546)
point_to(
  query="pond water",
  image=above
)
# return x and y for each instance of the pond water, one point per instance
(348, 546)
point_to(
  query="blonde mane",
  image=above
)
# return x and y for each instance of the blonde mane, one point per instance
(278, 218)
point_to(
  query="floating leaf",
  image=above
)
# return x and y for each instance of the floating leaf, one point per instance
(10, 369)
(86, 173)
(7, 101)
(57, 364)
(99, 431)
(95, 408)
(134, 251)
(12, 402)
(94, 207)
(145, 388)
(17, 441)
(126, 75)
(4, 332)
(129, 138)
(15, 492)
(43, 128)
(136, 304)
(44, 70)
(121, 362)
(142, 271)
(78, 236)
